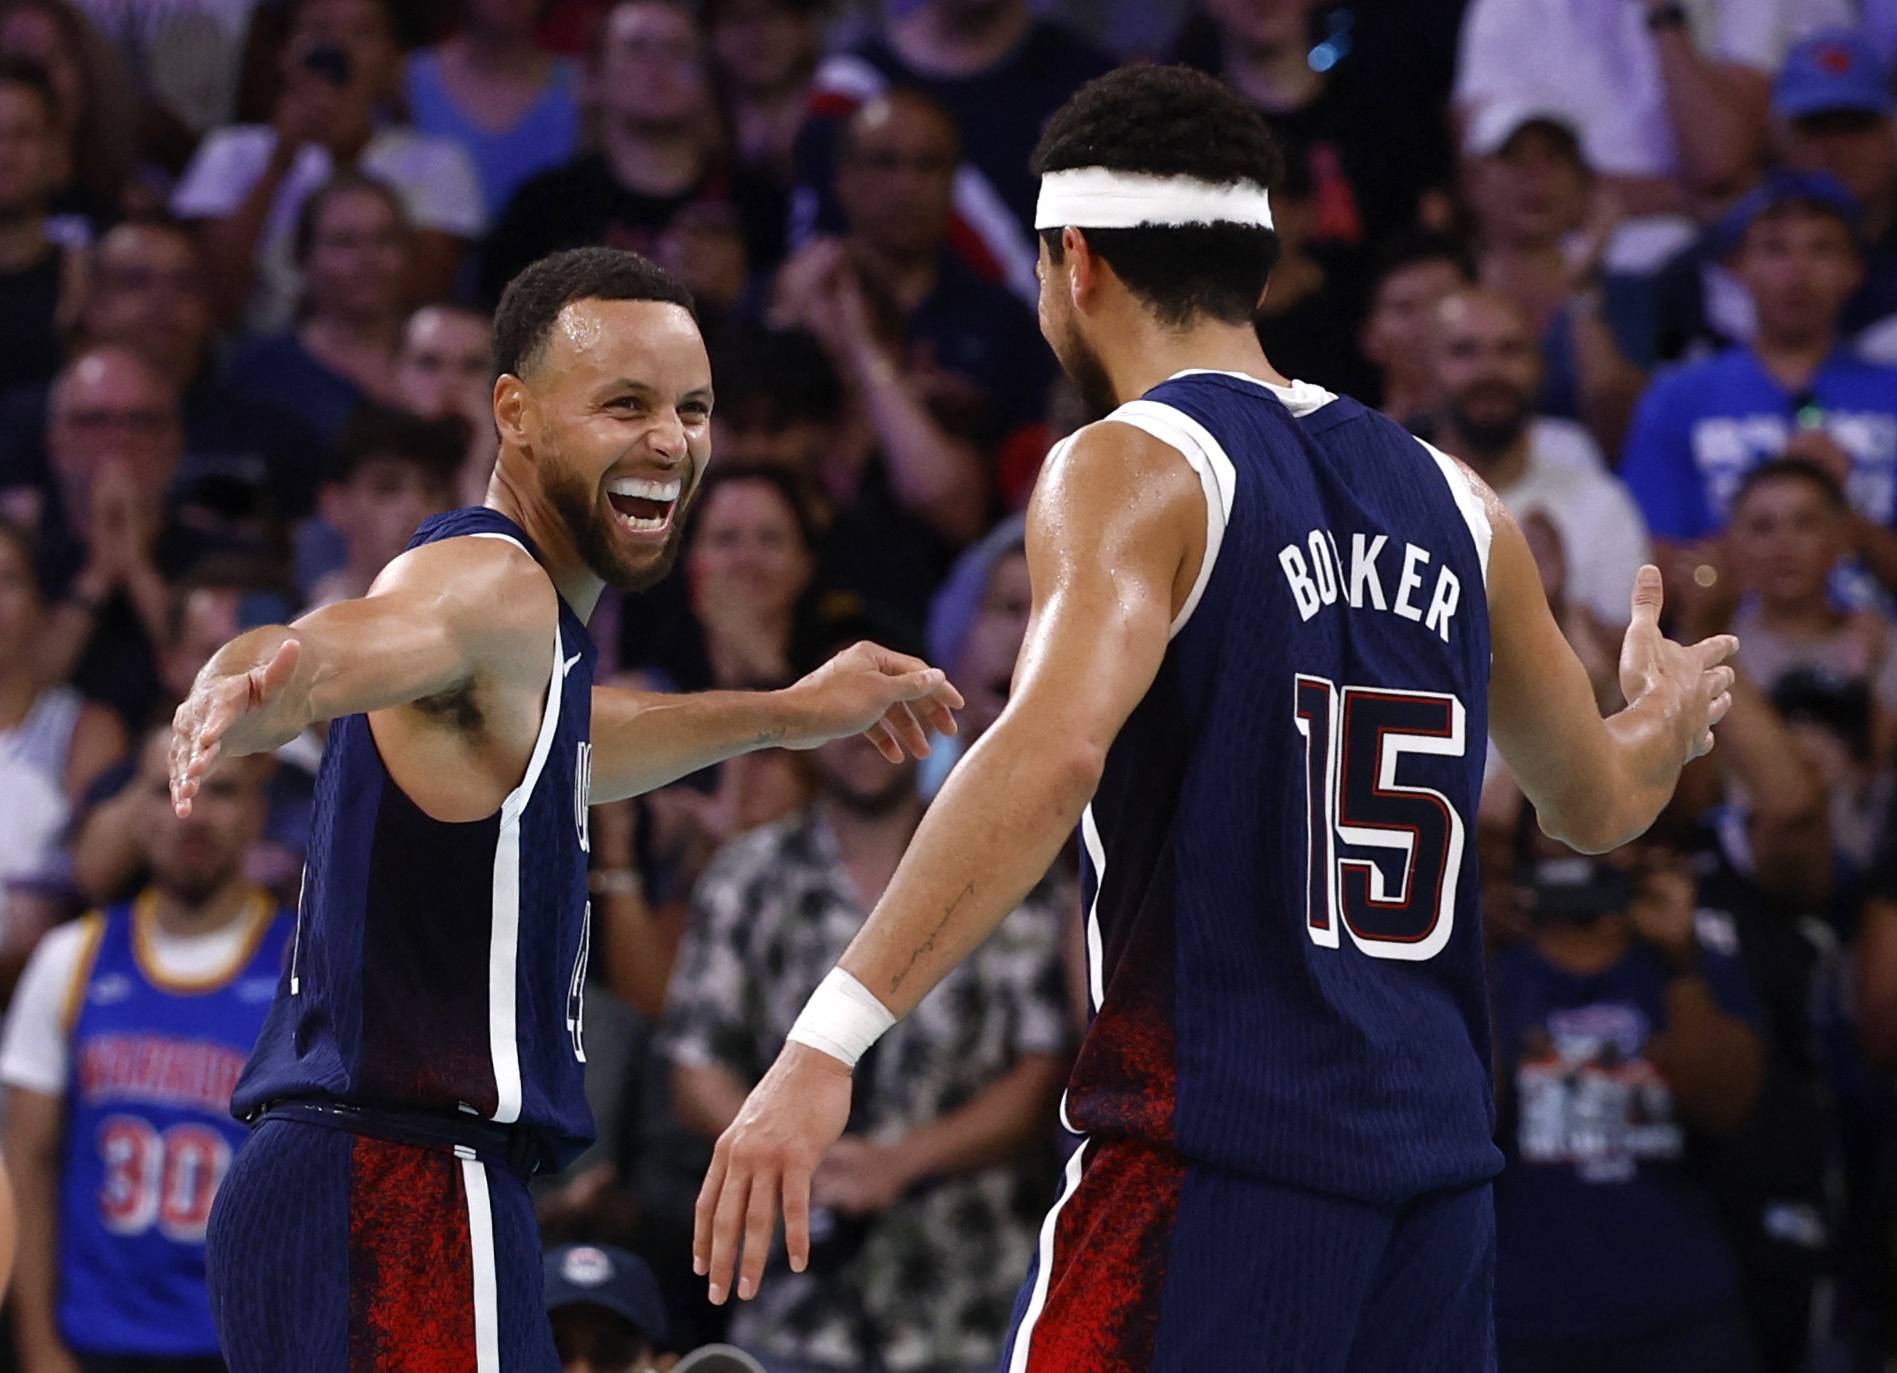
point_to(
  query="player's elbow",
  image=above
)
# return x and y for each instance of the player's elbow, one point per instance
(1074, 772)
(1593, 825)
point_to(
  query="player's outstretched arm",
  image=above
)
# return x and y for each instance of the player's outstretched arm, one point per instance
(435, 616)
(1114, 535)
(1595, 784)
(644, 739)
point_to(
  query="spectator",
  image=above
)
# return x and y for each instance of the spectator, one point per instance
(1000, 72)
(37, 278)
(354, 248)
(659, 171)
(1366, 158)
(122, 1046)
(1790, 393)
(394, 471)
(941, 365)
(766, 52)
(1833, 116)
(1619, 1032)
(112, 539)
(976, 626)
(1415, 277)
(93, 115)
(513, 107)
(248, 182)
(1487, 372)
(925, 1194)
(1670, 99)
(1790, 530)
(215, 602)
(445, 370)
(52, 746)
(1307, 321)
(1836, 111)
(147, 292)
(606, 1310)
(186, 56)
(1542, 225)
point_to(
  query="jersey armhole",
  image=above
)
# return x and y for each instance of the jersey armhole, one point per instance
(1217, 477)
(1468, 503)
(81, 972)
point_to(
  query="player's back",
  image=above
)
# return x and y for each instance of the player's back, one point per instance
(1284, 947)
(438, 966)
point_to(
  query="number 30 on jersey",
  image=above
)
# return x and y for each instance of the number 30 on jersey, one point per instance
(1383, 855)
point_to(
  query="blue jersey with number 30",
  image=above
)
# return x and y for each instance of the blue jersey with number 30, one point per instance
(1283, 935)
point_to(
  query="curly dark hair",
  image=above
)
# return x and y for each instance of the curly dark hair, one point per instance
(1172, 121)
(534, 299)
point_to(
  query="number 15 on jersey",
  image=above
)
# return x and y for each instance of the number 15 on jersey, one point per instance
(1383, 855)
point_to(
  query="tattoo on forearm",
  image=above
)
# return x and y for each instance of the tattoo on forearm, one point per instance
(766, 738)
(927, 946)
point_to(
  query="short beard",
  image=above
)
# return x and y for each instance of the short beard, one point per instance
(588, 525)
(1088, 374)
(1488, 438)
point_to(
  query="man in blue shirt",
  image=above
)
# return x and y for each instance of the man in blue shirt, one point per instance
(1622, 1030)
(1791, 393)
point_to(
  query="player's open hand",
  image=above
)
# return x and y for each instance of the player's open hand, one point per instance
(226, 714)
(1691, 679)
(763, 1165)
(889, 698)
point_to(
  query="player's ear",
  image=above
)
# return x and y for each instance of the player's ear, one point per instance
(1082, 268)
(510, 408)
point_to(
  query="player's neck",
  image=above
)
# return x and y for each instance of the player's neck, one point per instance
(524, 504)
(181, 916)
(1145, 353)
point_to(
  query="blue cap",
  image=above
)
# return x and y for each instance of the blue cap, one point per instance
(609, 1278)
(1833, 70)
(1783, 187)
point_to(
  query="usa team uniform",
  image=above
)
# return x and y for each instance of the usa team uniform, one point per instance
(423, 1058)
(148, 1133)
(1284, 1093)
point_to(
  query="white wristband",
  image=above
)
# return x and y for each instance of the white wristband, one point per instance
(842, 1018)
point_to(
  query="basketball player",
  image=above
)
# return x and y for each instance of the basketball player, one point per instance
(423, 1055)
(1271, 632)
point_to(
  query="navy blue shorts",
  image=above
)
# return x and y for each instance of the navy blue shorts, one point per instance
(335, 1252)
(1151, 1263)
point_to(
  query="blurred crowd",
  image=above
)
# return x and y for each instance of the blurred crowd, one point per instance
(1633, 260)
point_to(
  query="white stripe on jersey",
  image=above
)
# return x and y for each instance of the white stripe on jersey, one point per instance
(487, 1294)
(1468, 502)
(1097, 856)
(1044, 1264)
(1206, 456)
(504, 932)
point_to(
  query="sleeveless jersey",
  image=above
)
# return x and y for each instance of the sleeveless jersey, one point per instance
(1279, 865)
(149, 1133)
(440, 966)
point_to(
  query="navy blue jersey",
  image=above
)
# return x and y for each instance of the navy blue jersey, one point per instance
(148, 1134)
(439, 966)
(1283, 936)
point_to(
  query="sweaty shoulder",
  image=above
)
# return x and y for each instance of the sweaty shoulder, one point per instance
(1117, 493)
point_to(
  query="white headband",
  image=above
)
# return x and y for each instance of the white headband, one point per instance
(1097, 198)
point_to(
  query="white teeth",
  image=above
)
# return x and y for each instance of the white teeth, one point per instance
(642, 525)
(645, 489)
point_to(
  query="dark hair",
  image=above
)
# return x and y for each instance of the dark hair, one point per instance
(343, 183)
(1793, 469)
(1416, 249)
(381, 433)
(788, 488)
(27, 545)
(774, 377)
(31, 76)
(533, 300)
(1171, 121)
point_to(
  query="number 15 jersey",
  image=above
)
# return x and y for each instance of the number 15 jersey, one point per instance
(1284, 946)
